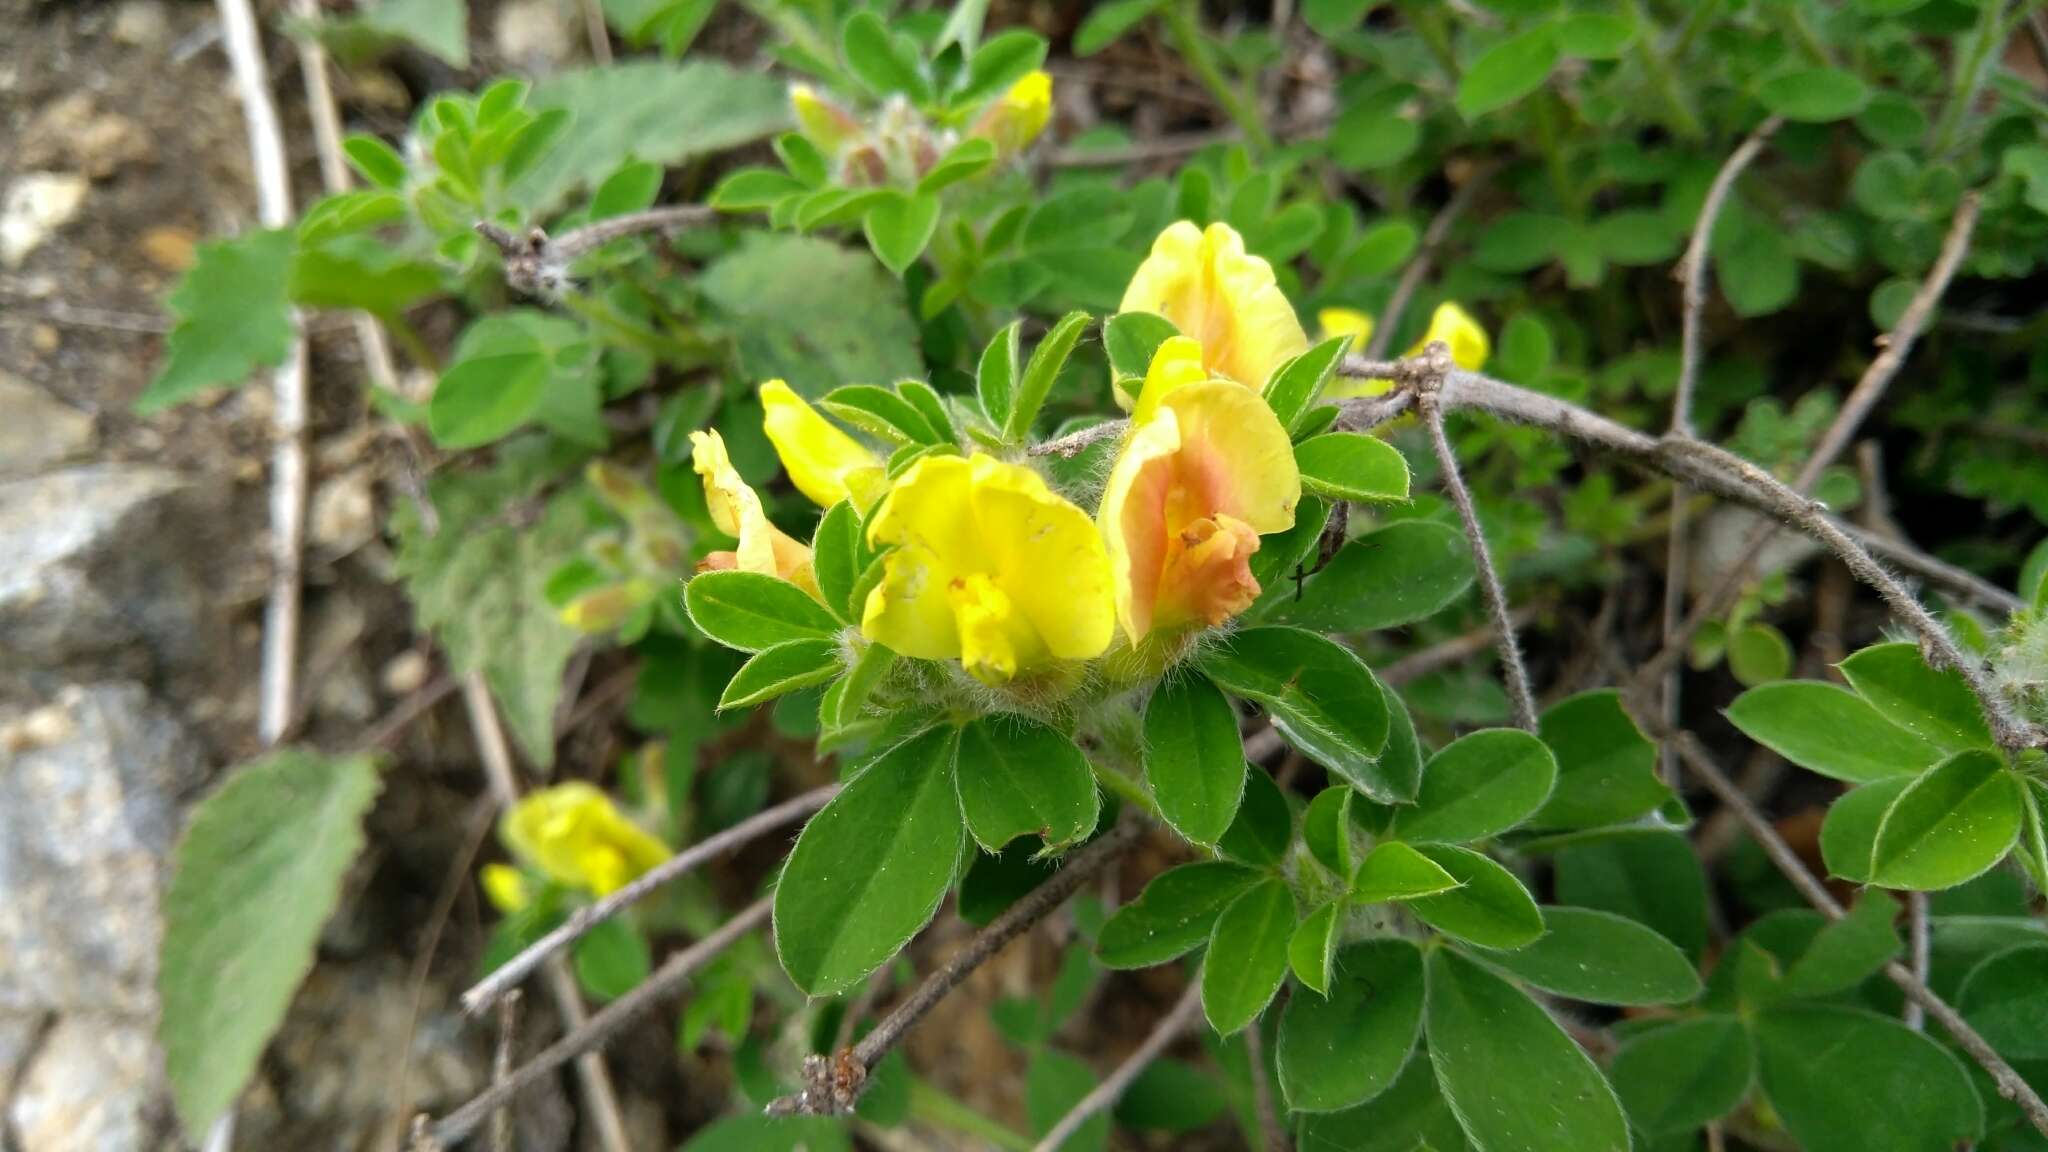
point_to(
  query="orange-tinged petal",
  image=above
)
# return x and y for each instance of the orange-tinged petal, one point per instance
(1228, 300)
(736, 511)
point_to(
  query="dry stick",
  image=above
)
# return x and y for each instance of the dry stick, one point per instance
(1512, 668)
(1424, 661)
(1864, 396)
(1419, 266)
(832, 1086)
(2010, 1084)
(1921, 950)
(1112, 1087)
(599, 1029)
(501, 1069)
(539, 265)
(508, 975)
(1271, 1134)
(1693, 296)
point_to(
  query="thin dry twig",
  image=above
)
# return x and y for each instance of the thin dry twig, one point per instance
(833, 1085)
(2010, 1084)
(1920, 949)
(1420, 264)
(586, 1037)
(501, 1070)
(1271, 1134)
(538, 264)
(1424, 661)
(1512, 669)
(508, 975)
(1112, 1088)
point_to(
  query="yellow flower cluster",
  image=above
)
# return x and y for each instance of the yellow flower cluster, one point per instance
(574, 836)
(989, 566)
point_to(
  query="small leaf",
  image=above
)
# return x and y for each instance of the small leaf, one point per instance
(1595, 35)
(1827, 729)
(1513, 1078)
(1018, 777)
(1759, 654)
(1507, 72)
(1682, 1076)
(780, 669)
(1194, 758)
(1606, 767)
(1296, 384)
(233, 317)
(1005, 59)
(2006, 999)
(1326, 829)
(1107, 23)
(1650, 876)
(996, 379)
(1847, 951)
(1172, 915)
(752, 189)
(885, 65)
(1055, 1082)
(968, 158)
(898, 227)
(1814, 95)
(1350, 466)
(1489, 907)
(378, 162)
(1339, 1052)
(1602, 958)
(630, 189)
(1131, 339)
(836, 556)
(611, 959)
(1311, 949)
(256, 873)
(1395, 871)
(1950, 825)
(1319, 696)
(1935, 706)
(1848, 835)
(1247, 956)
(870, 868)
(1044, 367)
(751, 611)
(880, 411)
(1264, 826)
(1846, 1080)
(1415, 568)
(1479, 786)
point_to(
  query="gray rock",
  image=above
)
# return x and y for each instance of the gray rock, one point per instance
(35, 430)
(107, 567)
(36, 206)
(90, 792)
(94, 1084)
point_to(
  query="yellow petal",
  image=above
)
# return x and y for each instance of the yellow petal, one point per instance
(1177, 364)
(576, 837)
(1346, 322)
(1048, 556)
(1228, 300)
(736, 511)
(506, 888)
(988, 623)
(823, 462)
(1013, 120)
(1456, 328)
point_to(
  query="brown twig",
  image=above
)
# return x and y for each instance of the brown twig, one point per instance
(501, 1070)
(1113, 1086)
(538, 265)
(1271, 1134)
(2010, 1084)
(508, 975)
(600, 1028)
(1420, 264)
(1424, 661)
(1920, 950)
(832, 1086)
(1516, 674)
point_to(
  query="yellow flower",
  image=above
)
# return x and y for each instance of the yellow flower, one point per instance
(991, 567)
(1014, 119)
(1346, 322)
(1205, 470)
(576, 837)
(1449, 323)
(824, 463)
(506, 888)
(736, 511)
(1227, 300)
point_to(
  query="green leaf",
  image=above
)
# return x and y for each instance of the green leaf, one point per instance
(1606, 767)
(1295, 384)
(1847, 951)
(812, 312)
(1759, 654)
(1848, 835)
(1172, 915)
(1132, 338)
(870, 868)
(1814, 95)
(1950, 825)
(1171, 1096)
(752, 189)
(995, 380)
(1312, 948)
(1194, 758)
(1602, 958)
(1053, 1084)
(1373, 133)
(257, 872)
(1679, 1077)
(751, 611)
(1846, 1080)
(438, 27)
(378, 162)
(1830, 730)
(1650, 876)
(881, 411)
(1319, 696)
(479, 584)
(1247, 956)
(2005, 998)
(1414, 569)
(611, 959)
(967, 159)
(660, 112)
(1754, 265)
(1018, 777)
(1411, 1116)
(899, 226)
(1489, 907)
(780, 669)
(1595, 35)
(233, 317)
(502, 371)
(1635, 237)
(1107, 23)
(1264, 826)
(1513, 1078)
(1383, 248)
(1395, 871)
(836, 559)
(1350, 466)
(1039, 373)
(1326, 829)
(1935, 706)
(632, 188)
(1479, 786)
(1006, 58)
(361, 273)
(1507, 72)
(884, 64)
(1339, 1052)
